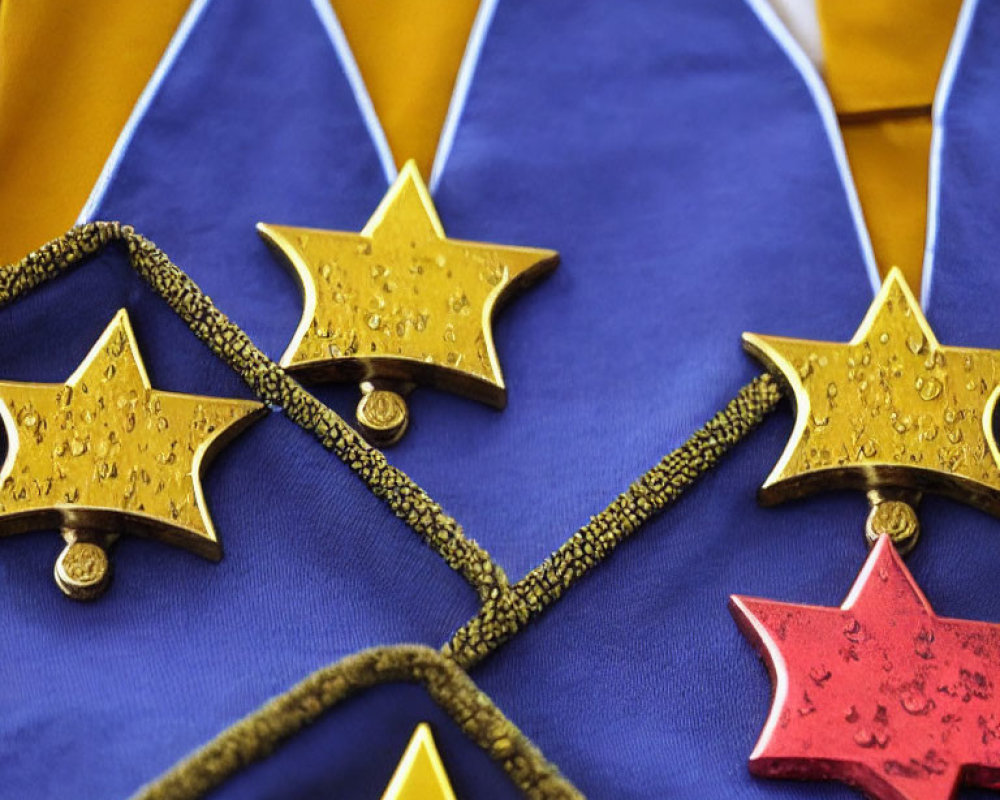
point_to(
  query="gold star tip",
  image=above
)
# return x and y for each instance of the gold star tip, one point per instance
(420, 774)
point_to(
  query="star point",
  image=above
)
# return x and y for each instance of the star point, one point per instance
(420, 774)
(400, 301)
(881, 693)
(105, 451)
(890, 408)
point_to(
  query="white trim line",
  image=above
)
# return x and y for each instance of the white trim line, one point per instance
(956, 49)
(798, 57)
(463, 82)
(177, 42)
(336, 33)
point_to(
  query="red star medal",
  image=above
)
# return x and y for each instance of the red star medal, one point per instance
(880, 693)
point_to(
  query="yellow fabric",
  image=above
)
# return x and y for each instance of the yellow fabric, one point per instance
(60, 115)
(882, 59)
(70, 73)
(882, 54)
(409, 52)
(889, 159)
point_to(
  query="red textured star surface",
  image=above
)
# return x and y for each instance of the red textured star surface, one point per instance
(880, 693)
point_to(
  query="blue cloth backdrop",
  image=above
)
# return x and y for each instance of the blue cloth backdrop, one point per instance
(674, 156)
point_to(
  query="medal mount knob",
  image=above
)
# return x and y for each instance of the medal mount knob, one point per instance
(893, 514)
(382, 414)
(83, 569)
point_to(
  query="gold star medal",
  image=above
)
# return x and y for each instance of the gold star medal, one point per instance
(105, 453)
(892, 409)
(400, 304)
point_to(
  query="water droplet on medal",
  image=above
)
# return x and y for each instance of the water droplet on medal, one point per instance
(928, 388)
(914, 702)
(866, 738)
(852, 631)
(916, 343)
(820, 674)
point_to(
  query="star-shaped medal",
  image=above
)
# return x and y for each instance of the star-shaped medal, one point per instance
(400, 304)
(104, 453)
(880, 693)
(890, 408)
(420, 774)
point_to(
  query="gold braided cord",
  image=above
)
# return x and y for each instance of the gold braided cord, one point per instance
(443, 673)
(505, 609)
(654, 491)
(269, 383)
(256, 736)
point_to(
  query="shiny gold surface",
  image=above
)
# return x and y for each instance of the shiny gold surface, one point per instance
(400, 301)
(83, 569)
(420, 774)
(107, 452)
(890, 408)
(382, 414)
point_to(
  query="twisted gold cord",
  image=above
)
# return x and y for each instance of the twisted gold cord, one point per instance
(654, 491)
(505, 609)
(499, 620)
(268, 381)
(256, 736)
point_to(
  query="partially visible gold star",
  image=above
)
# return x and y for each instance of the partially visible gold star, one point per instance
(400, 301)
(890, 408)
(105, 451)
(420, 774)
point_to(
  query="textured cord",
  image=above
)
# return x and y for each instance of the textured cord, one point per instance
(268, 381)
(256, 736)
(505, 609)
(654, 491)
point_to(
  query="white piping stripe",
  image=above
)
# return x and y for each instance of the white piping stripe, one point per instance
(177, 42)
(795, 53)
(941, 97)
(463, 82)
(336, 33)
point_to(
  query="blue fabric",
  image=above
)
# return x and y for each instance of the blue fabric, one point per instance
(673, 155)
(98, 699)
(354, 751)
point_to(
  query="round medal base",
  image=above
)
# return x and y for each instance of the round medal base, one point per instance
(896, 519)
(83, 570)
(382, 415)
